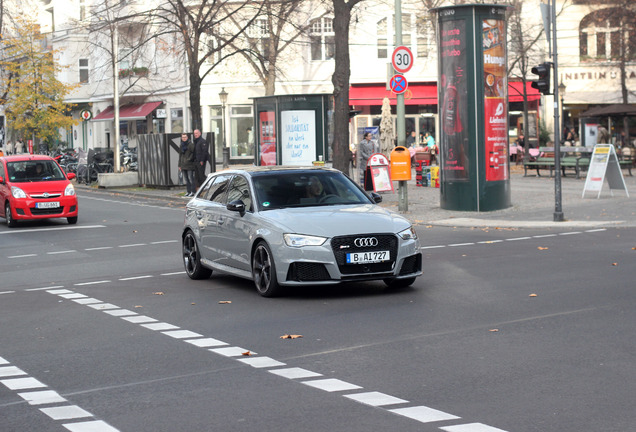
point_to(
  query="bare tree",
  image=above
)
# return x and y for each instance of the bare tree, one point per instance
(205, 34)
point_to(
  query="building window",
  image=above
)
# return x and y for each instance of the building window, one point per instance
(322, 39)
(83, 71)
(82, 10)
(382, 38)
(259, 37)
(608, 34)
(241, 131)
(176, 120)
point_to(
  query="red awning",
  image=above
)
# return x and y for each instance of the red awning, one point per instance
(128, 112)
(515, 92)
(424, 94)
(416, 94)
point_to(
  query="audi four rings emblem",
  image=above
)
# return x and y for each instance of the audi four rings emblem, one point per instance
(365, 242)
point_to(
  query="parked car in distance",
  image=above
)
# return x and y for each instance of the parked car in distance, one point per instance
(35, 187)
(295, 226)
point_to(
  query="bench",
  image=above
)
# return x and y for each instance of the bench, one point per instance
(576, 163)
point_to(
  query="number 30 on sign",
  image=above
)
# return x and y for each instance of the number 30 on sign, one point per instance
(402, 59)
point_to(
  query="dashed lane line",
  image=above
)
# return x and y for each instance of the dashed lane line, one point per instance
(93, 249)
(539, 236)
(351, 391)
(75, 227)
(49, 402)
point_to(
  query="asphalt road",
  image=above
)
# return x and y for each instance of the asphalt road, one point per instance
(511, 330)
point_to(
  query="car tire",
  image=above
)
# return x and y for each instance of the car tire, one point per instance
(72, 220)
(192, 258)
(11, 223)
(264, 271)
(399, 283)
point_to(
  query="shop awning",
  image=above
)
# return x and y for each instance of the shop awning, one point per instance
(515, 92)
(373, 94)
(128, 112)
(423, 94)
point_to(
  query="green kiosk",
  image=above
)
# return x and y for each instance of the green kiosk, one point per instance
(293, 129)
(473, 107)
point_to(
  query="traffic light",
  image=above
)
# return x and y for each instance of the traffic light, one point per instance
(543, 83)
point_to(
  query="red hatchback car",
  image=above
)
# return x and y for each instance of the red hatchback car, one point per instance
(35, 187)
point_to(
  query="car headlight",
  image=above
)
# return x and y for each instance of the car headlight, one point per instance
(69, 191)
(299, 240)
(17, 192)
(408, 234)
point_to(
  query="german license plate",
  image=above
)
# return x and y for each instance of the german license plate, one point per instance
(367, 257)
(47, 205)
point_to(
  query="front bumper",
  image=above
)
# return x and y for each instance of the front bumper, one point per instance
(26, 208)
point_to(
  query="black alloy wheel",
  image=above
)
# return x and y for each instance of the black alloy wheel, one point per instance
(264, 271)
(192, 258)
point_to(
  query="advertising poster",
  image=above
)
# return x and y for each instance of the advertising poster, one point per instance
(454, 93)
(298, 137)
(495, 106)
(267, 131)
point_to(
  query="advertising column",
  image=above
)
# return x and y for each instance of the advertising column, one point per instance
(474, 168)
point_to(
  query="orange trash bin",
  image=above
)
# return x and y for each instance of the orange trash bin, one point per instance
(400, 164)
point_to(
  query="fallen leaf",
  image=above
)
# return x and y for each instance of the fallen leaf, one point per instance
(542, 248)
(192, 303)
(291, 336)
(247, 353)
(614, 264)
(634, 248)
(158, 293)
(493, 330)
(225, 302)
(532, 295)
(134, 231)
(138, 306)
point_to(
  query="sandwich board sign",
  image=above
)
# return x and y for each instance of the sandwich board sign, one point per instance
(604, 164)
(379, 166)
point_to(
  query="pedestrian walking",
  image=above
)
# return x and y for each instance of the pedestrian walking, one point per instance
(365, 149)
(19, 147)
(202, 154)
(9, 147)
(187, 163)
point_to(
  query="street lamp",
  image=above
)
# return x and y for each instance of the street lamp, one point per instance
(562, 93)
(226, 150)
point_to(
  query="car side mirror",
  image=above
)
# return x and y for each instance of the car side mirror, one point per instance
(70, 176)
(1, 180)
(237, 206)
(376, 197)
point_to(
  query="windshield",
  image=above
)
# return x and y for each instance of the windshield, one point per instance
(34, 171)
(305, 189)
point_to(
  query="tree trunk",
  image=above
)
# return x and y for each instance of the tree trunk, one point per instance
(195, 100)
(340, 80)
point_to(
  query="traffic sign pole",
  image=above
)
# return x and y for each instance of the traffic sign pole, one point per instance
(403, 198)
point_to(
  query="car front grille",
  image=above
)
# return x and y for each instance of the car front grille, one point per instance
(51, 211)
(306, 271)
(411, 264)
(343, 245)
(46, 195)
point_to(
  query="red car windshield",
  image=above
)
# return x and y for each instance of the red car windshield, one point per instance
(34, 171)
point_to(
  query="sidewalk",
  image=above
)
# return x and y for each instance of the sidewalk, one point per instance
(533, 204)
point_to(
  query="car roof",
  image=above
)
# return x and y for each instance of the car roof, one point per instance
(256, 171)
(26, 157)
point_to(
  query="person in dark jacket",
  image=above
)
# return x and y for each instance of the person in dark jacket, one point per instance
(202, 155)
(187, 163)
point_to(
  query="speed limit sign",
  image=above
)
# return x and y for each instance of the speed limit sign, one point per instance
(402, 59)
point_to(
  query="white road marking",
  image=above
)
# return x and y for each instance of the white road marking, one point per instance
(262, 362)
(231, 351)
(103, 306)
(570, 233)
(596, 230)
(22, 383)
(120, 312)
(3, 361)
(295, 373)
(490, 241)
(66, 412)
(132, 245)
(73, 296)
(423, 414)
(164, 241)
(471, 427)
(159, 326)
(433, 247)
(460, 244)
(139, 319)
(544, 235)
(7, 292)
(90, 426)
(375, 399)
(87, 301)
(182, 334)
(206, 342)
(331, 385)
(99, 248)
(518, 238)
(7, 371)
(92, 283)
(42, 397)
(135, 277)
(22, 256)
(173, 273)
(26, 231)
(61, 252)
(45, 288)
(60, 291)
